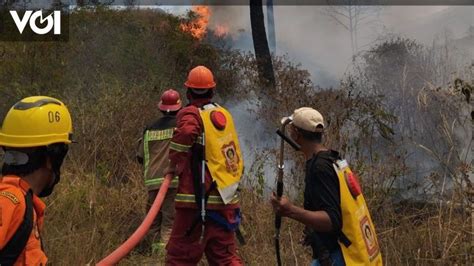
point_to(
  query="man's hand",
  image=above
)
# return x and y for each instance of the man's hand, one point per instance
(283, 206)
(315, 219)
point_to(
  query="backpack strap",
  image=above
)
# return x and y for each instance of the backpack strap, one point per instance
(344, 239)
(12, 250)
(222, 221)
(198, 217)
(340, 163)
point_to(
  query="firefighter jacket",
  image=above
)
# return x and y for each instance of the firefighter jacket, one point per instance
(187, 152)
(153, 151)
(12, 212)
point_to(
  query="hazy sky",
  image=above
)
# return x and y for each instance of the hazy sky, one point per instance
(307, 35)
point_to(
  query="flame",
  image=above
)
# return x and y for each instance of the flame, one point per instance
(198, 26)
(221, 30)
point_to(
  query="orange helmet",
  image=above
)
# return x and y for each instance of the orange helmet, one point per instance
(170, 101)
(200, 77)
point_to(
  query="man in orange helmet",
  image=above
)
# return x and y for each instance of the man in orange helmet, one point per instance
(205, 154)
(34, 137)
(153, 154)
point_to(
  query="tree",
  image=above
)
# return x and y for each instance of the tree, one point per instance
(351, 16)
(260, 44)
(431, 121)
(397, 68)
(271, 26)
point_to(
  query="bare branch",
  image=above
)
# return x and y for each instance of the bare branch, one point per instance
(339, 21)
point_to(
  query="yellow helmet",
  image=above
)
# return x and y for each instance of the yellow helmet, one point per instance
(36, 121)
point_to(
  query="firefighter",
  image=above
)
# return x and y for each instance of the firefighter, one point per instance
(205, 154)
(338, 225)
(34, 137)
(153, 154)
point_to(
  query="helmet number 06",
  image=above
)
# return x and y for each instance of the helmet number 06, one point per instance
(54, 116)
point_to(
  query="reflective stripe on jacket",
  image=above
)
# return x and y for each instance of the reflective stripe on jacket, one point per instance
(184, 147)
(212, 200)
(154, 149)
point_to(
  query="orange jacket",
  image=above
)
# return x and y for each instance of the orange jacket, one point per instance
(12, 210)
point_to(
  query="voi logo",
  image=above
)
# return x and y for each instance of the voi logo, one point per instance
(53, 22)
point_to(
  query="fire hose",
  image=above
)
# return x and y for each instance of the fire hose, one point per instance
(281, 166)
(141, 231)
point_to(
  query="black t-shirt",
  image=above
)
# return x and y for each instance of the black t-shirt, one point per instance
(322, 194)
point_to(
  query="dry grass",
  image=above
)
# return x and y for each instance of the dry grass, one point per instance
(101, 198)
(87, 219)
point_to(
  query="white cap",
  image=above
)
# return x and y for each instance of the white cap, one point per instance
(308, 119)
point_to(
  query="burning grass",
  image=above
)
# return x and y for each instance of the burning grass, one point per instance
(198, 22)
(197, 25)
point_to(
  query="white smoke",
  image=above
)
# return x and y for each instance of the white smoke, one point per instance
(308, 36)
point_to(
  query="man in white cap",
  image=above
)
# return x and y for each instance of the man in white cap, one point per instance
(332, 195)
(321, 198)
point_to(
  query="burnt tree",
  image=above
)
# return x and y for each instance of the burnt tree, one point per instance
(260, 44)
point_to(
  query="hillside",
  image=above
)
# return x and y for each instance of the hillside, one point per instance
(118, 62)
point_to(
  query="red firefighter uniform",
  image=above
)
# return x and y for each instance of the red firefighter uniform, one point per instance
(222, 173)
(12, 212)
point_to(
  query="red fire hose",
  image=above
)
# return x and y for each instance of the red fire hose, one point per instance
(138, 235)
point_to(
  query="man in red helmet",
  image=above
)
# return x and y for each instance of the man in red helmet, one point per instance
(153, 154)
(205, 154)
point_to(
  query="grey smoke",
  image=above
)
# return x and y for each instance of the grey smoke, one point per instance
(308, 36)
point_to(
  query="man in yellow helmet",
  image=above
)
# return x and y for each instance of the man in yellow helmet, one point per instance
(34, 137)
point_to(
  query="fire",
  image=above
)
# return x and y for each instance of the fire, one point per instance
(221, 30)
(198, 26)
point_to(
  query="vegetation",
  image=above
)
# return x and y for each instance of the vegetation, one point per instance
(114, 68)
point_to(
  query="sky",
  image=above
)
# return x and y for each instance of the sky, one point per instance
(307, 35)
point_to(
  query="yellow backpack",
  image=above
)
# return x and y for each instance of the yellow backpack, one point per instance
(223, 156)
(363, 247)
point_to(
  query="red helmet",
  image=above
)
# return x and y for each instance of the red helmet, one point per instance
(170, 101)
(200, 77)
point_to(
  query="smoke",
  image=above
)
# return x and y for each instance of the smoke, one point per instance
(307, 35)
